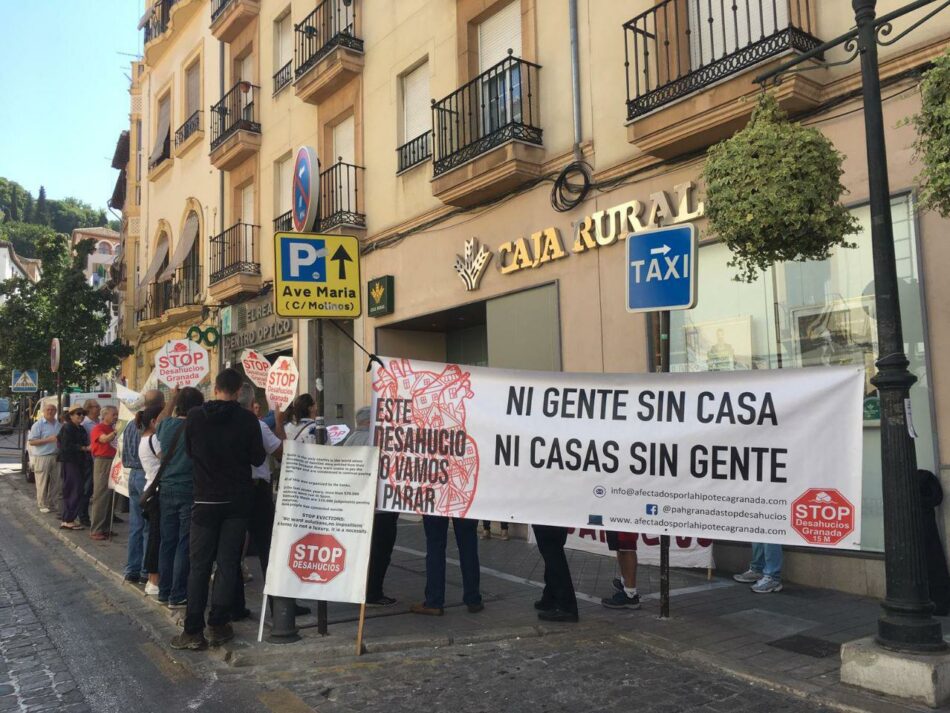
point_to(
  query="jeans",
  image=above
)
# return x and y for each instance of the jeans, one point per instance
(138, 526)
(260, 524)
(466, 537)
(558, 585)
(173, 564)
(217, 536)
(767, 559)
(102, 497)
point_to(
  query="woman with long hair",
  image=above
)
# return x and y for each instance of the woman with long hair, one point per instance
(300, 425)
(150, 454)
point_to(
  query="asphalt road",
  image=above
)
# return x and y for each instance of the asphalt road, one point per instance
(67, 643)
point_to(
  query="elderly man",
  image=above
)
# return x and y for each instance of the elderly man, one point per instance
(102, 447)
(43, 449)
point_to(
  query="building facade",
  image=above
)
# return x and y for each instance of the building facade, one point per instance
(442, 127)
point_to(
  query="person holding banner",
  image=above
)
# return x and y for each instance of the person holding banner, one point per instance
(558, 601)
(300, 425)
(224, 441)
(625, 594)
(102, 447)
(466, 537)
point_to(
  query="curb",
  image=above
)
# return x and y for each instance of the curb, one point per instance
(248, 653)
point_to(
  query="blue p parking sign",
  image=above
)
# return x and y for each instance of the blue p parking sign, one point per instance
(303, 260)
(661, 269)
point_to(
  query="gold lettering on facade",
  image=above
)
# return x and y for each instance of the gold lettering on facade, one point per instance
(683, 213)
(661, 213)
(582, 237)
(548, 246)
(606, 223)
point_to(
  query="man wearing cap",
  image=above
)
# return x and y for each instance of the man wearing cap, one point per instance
(43, 449)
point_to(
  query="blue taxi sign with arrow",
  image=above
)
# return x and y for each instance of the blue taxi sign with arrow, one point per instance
(661, 269)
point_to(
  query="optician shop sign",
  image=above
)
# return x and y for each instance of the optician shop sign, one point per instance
(600, 229)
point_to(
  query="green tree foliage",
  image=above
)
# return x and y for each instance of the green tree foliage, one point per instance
(933, 137)
(41, 216)
(24, 236)
(64, 305)
(773, 193)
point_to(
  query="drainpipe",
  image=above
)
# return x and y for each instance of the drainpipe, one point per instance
(575, 78)
(221, 95)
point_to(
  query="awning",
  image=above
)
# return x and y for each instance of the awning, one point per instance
(143, 21)
(188, 236)
(154, 266)
(162, 135)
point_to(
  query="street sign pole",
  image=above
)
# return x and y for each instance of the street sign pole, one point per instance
(664, 354)
(321, 440)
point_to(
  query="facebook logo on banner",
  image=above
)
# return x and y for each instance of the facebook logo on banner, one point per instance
(652, 509)
(303, 260)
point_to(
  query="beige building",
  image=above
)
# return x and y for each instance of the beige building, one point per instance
(441, 126)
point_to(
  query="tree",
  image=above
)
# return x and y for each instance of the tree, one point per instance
(41, 217)
(70, 213)
(24, 236)
(64, 305)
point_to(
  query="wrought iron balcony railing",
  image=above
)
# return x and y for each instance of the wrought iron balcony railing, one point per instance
(330, 25)
(237, 111)
(186, 290)
(217, 7)
(163, 156)
(415, 151)
(284, 223)
(233, 252)
(191, 125)
(283, 76)
(157, 21)
(681, 46)
(157, 300)
(341, 196)
(499, 105)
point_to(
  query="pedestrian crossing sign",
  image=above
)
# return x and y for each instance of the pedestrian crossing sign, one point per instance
(24, 381)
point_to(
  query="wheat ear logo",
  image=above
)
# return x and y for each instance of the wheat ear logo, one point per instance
(377, 292)
(472, 266)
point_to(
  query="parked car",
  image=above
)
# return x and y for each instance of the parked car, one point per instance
(7, 416)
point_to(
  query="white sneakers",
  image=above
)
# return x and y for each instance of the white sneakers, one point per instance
(151, 590)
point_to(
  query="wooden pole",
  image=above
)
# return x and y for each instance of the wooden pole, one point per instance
(359, 630)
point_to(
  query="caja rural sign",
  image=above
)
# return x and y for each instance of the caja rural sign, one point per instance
(181, 363)
(317, 276)
(317, 558)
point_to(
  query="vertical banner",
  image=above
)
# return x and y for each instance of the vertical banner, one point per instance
(754, 456)
(118, 473)
(323, 523)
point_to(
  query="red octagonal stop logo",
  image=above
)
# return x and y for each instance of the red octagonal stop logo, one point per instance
(316, 559)
(822, 516)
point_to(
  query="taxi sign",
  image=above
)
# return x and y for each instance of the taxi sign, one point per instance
(661, 269)
(317, 276)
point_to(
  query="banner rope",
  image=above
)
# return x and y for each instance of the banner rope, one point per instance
(372, 357)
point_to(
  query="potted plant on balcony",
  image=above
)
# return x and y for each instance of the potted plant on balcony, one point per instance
(933, 137)
(774, 193)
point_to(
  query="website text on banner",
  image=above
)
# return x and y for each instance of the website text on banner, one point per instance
(323, 523)
(759, 456)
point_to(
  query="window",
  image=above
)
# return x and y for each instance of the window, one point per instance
(104, 248)
(283, 181)
(812, 314)
(501, 86)
(721, 29)
(247, 204)
(192, 89)
(283, 41)
(416, 103)
(160, 150)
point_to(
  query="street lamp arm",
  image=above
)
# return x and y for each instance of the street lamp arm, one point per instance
(849, 40)
(884, 26)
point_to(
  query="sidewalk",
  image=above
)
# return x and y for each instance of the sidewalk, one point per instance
(788, 640)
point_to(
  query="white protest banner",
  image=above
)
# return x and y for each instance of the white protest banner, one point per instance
(256, 366)
(282, 381)
(684, 551)
(118, 473)
(756, 456)
(133, 399)
(323, 523)
(182, 362)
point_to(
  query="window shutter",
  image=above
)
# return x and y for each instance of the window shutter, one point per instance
(192, 89)
(163, 128)
(416, 103)
(285, 42)
(498, 34)
(286, 170)
(344, 141)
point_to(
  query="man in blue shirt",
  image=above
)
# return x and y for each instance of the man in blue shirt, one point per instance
(43, 449)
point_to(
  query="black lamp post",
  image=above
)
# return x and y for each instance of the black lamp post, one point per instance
(906, 623)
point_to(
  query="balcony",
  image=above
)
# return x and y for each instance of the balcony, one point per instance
(235, 127)
(179, 298)
(687, 66)
(158, 165)
(235, 270)
(327, 52)
(414, 152)
(157, 22)
(230, 17)
(341, 197)
(284, 223)
(188, 134)
(283, 76)
(487, 134)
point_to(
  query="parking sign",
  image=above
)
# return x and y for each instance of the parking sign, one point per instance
(317, 275)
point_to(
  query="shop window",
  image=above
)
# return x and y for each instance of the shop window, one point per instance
(817, 313)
